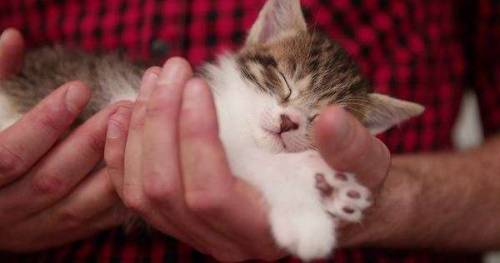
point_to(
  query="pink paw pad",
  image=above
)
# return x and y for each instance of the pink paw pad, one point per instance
(348, 210)
(322, 185)
(342, 197)
(353, 194)
(341, 176)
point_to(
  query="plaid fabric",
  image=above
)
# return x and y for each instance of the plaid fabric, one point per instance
(424, 51)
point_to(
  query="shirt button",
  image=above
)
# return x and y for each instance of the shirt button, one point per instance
(159, 48)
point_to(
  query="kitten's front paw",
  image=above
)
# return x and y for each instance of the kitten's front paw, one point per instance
(342, 196)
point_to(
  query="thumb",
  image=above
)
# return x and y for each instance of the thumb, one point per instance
(11, 52)
(346, 145)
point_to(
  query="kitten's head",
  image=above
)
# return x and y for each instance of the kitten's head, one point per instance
(299, 73)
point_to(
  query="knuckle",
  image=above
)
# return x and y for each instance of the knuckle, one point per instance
(159, 108)
(11, 163)
(159, 192)
(138, 117)
(115, 173)
(202, 202)
(117, 121)
(114, 157)
(133, 202)
(114, 162)
(47, 183)
(156, 110)
(96, 143)
(71, 218)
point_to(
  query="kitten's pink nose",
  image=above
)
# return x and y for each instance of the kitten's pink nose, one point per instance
(287, 124)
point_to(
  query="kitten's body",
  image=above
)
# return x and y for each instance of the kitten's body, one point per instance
(110, 77)
(267, 96)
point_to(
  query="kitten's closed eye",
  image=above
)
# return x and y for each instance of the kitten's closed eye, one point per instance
(313, 118)
(287, 97)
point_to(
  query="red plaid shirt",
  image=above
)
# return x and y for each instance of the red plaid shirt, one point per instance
(424, 51)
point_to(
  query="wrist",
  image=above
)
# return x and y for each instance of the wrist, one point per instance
(396, 206)
(424, 200)
(400, 200)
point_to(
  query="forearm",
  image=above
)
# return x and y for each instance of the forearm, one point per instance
(444, 201)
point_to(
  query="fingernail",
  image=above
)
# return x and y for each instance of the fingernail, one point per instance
(197, 111)
(174, 70)
(4, 35)
(114, 130)
(193, 95)
(117, 122)
(76, 97)
(148, 84)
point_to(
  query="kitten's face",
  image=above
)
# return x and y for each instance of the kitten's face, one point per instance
(301, 74)
(296, 74)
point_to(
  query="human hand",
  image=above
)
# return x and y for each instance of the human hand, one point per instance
(171, 169)
(50, 190)
(348, 146)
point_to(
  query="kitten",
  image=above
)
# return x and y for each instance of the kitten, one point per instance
(267, 97)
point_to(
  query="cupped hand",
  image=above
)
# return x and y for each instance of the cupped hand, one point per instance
(51, 192)
(170, 168)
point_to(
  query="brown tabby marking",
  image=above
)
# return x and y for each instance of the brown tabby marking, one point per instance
(317, 67)
(50, 67)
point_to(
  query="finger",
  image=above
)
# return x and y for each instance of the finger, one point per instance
(161, 163)
(161, 174)
(133, 149)
(204, 162)
(210, 189)
(114, 151)
(58, 173)
(58, 230)
(93, 197)
(113, 217)
(347, 146)
(22, 144)
(11, 52)
(130, 179)
(92, 206)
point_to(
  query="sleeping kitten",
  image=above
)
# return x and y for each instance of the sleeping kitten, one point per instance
(267, 97)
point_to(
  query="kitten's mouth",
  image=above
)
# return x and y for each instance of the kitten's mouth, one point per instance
(280, 142)
(276, 136)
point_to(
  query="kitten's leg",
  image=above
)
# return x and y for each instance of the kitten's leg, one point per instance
(307, 233)
(299, 222)
(303, 193)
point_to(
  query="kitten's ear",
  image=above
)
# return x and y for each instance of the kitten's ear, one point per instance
(277, 17)
(385, 112)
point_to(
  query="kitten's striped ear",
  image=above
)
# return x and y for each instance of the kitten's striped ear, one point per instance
(385, 112)
(277, 17)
